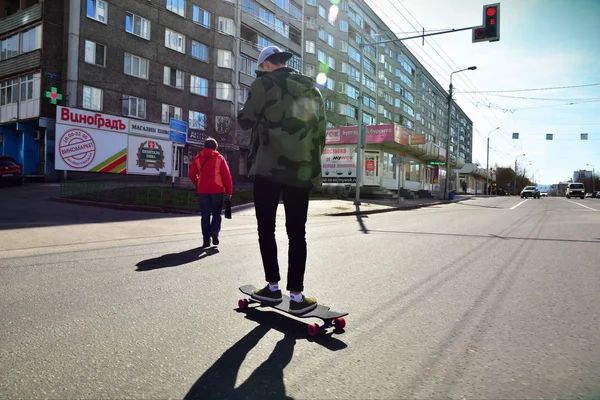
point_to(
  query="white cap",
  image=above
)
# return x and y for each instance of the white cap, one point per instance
(272, 50)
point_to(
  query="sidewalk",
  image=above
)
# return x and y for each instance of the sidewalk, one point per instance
(347, 207)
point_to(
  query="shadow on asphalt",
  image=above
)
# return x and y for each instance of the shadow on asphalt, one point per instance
(176, 259)
(291, 327)
(30, 206)
(359, 218)
(266, 382)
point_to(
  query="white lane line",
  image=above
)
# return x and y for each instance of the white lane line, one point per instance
(512, 208)
(579, 204)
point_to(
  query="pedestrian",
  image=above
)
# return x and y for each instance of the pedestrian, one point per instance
(210, 174)
(286, 113)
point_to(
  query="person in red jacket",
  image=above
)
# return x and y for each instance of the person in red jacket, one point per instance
(210, 174)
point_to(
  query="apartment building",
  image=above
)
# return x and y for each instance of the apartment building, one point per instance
(30, 29)
(194, 60)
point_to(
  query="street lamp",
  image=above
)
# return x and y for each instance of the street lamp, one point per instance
(449, 131)
(516, 158)
(593, 177)
(487, 163)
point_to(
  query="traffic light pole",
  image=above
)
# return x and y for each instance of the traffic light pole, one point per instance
(361, 139)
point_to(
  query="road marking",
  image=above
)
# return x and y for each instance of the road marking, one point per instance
(512, 208)
(574, 202)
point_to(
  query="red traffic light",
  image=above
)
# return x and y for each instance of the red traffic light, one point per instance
(490, 12)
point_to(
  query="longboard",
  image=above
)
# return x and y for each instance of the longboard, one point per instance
(330, 318)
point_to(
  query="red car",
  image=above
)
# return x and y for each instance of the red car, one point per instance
(10, 171)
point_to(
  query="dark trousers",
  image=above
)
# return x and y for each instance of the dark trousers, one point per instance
(295, 202)
(210, 205)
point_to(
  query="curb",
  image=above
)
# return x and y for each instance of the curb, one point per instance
(385, 210)
(125, 207)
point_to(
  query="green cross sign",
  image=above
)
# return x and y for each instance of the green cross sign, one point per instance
(53, 95)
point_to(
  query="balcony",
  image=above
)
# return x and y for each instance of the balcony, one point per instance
(21, 18)
(24, 62)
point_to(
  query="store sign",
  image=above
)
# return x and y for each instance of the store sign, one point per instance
(375, 134)
(148, 156)
(91, 120)
(338, 164)
(148, 129)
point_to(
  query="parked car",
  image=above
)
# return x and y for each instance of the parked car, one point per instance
(590, 195)
(10, 171)
(544, 194)
(530, 191)
(575, 190)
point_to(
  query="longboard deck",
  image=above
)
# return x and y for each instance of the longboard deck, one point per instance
(321, 311)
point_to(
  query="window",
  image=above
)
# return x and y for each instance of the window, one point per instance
(283, 4)
(176, 6)
(174, 40)
(296, 11)
(343, 46)
(134, 107)
(248, 66)
(8, 91)
(330, 84)
(352, 92)
(266, 18)
(98, 10)
(95, 53)
(136, 66)
(310, 70)
(169, 112)
(354, 54)
(243, 93)
(311, 23)
(369, 101)
(322, 12)
(322, 34)
(311, 2)
(172, 77)
(224, 91)
(226, 26)
(282, 28)
(224, 59)
(198, 85)
(31, 39)
(92, 98)
(343, 25)
(10, 47)
(199, 51)
(27, 88)
(201, 17)
(137, 25)
(250, 7)
(331, 40)
(330, 105)
(197, 120)
(368, 119)
(310, 47)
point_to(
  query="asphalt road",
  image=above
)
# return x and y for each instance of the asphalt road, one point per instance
(490, 298)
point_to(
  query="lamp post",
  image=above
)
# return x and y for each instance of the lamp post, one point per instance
(487, 163)
(593, 177)
(516, 158)
(446, 185)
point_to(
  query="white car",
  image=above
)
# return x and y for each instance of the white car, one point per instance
(544, 194)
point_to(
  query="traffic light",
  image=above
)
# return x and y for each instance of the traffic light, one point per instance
(490, 30)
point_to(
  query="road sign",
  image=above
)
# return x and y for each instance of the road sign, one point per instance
(178, 132)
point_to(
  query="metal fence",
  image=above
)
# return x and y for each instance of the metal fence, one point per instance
(134, 193)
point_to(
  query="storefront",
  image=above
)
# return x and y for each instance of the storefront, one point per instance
(391, 158)
(93, 142)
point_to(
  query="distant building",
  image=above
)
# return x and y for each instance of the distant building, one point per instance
(581, 175)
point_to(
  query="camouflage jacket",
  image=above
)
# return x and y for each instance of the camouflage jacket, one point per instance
(287, 115)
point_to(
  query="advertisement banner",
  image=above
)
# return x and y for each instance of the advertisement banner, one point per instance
(339, 164)
(148, 156)
(375, 134)
(417, 139)
(91, 120)
(85, 149)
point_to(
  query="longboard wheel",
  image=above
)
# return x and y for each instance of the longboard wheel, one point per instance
(243, 303)
(314, 330)
(339, 323)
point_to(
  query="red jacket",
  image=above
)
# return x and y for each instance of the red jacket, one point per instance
(210, 174)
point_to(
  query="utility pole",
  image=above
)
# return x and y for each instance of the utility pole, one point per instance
(521, 155)
(487, 163)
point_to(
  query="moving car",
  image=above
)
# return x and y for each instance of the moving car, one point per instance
(544, 194)
(530, 191)
(575, 190)
(10, 171)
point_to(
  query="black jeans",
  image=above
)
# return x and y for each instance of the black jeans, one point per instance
(210, 204)
(295, 202)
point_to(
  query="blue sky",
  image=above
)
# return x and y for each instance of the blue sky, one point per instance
(543, 44)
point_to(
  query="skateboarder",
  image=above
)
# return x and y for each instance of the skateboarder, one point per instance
(211, 176)
(287, 115)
